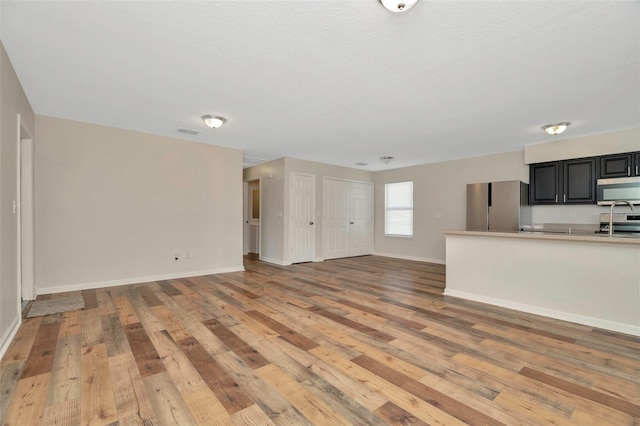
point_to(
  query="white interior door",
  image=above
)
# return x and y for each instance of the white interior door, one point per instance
(348, 218)
(361, 218)
(337, 217)
(302, 198)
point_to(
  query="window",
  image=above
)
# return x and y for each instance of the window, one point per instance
(398, 209)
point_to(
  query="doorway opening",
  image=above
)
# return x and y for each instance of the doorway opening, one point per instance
(24, 215)
(251, 213)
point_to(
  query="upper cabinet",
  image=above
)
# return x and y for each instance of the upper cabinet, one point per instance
(620, 165)
(563, 182)
(617, 165)
(579, 181)
(544, 184)
(575, 181)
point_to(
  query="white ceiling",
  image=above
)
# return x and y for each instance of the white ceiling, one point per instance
(334, 81)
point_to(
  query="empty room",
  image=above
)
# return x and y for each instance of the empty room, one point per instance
(290, 212)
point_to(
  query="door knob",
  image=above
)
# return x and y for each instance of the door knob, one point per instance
(310, 223)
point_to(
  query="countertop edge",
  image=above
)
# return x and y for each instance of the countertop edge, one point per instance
(550, 236)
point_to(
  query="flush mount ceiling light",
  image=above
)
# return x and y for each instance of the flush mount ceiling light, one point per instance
(213, 121)
(398, 5)
(386, 160)
(555, 129)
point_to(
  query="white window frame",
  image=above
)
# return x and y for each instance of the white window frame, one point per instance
(387, 209)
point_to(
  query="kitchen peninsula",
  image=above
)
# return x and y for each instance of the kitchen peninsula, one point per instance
(587, 279)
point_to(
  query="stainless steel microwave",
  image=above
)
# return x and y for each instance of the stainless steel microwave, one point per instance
(614, 189)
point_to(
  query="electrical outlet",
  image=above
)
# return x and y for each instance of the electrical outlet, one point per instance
(191, 254)
(438, 215)
(572, 214)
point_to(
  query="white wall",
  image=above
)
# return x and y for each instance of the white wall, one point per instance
(440, 190)
(320, 171)
(112, 206)
(439, 200)
(12, 102)
(274, 177)
(582, 214)
(589, 282)
(627, 140)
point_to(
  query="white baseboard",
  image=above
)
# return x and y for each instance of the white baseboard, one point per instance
(416, 258)
(561, 315)
(136, 280)
(318, 259)
(274, 261)
(8, 336)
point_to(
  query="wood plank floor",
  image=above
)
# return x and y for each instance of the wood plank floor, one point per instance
(367, 340)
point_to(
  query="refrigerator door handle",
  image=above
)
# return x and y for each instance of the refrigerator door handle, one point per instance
(489, 195)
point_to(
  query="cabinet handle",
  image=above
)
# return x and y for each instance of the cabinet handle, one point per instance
(564, 198)
(637, 171)
(629, 171)
(556, 198)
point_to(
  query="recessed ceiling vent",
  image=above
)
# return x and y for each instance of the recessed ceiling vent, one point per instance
(188, 131)
(252, 160)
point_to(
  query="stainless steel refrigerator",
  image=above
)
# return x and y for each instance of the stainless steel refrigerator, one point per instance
(498, 206)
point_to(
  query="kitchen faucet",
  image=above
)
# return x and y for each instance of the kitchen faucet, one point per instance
(611, 213)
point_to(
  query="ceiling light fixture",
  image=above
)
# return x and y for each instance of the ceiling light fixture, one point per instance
(556, 129)
(398, 5)
(213, 121)
(386, 160)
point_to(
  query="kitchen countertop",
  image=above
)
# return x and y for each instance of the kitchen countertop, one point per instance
(541, 235)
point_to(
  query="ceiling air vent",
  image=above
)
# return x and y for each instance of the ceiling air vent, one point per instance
(252, 160)
(188, 131)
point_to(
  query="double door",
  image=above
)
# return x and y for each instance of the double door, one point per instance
(348, 218)
(563, 182)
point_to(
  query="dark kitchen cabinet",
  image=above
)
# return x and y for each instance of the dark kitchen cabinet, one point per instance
(636, 164)
(563, 182)
(544, 181)
(617, 165)
(579, 181)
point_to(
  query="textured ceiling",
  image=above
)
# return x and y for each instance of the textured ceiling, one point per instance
(339, 82)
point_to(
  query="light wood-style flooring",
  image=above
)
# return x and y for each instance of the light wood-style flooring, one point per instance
(368, 340)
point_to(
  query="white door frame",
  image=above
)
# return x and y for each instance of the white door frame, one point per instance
(24, 213)
(249, 222)
(260, 186)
